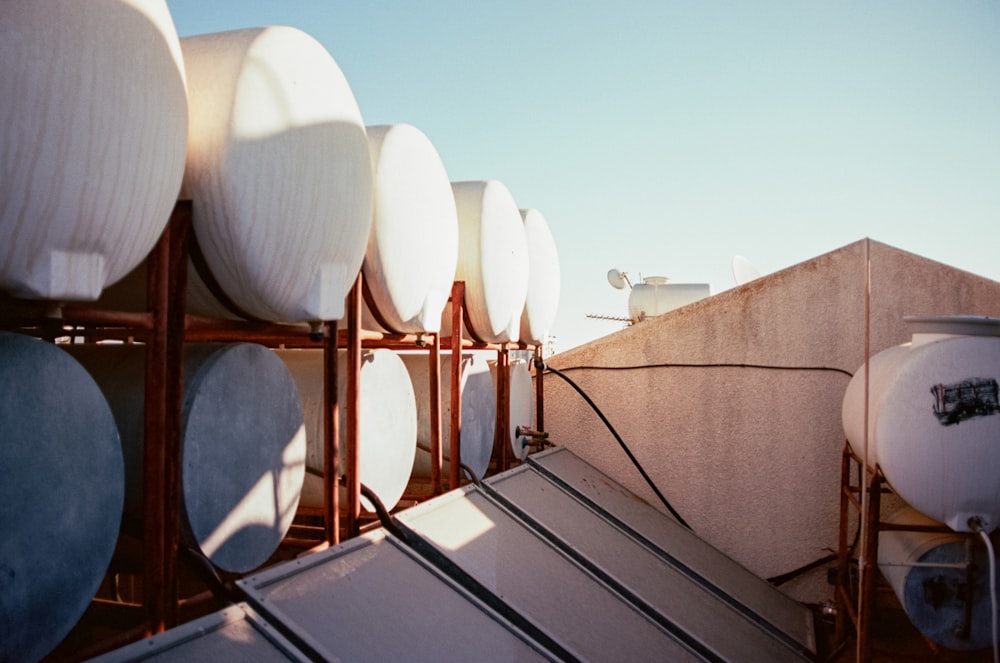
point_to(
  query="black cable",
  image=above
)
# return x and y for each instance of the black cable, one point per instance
(794, 573)
(769, 367)
(462, 466)
(540, 365)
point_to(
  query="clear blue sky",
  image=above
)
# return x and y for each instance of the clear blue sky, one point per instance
(664, 137)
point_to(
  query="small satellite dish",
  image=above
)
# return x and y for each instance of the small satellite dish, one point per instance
(743, 270)
(617, 279)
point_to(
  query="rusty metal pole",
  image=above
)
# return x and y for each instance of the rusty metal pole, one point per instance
(501, 441)
(843, 594)
(434, 373)
(455, 442)
(870, 562)
(539, 392)
(331, 438)
(166, 288)
(353, 408)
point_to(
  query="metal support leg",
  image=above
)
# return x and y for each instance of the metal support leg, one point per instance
(166, 291)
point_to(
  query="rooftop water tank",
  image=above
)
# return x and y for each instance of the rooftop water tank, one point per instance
(941, 580)
(93, 131)
(387, 423)
(522, 404)
(934, 418)
(242, 447)
(279, 174)
(654, 296)
(492, 261)
(479, 412)
(412, 251)
(62, 483)
(542, 301)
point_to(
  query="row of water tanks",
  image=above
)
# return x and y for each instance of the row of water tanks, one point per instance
(108, 118)
(251, 452)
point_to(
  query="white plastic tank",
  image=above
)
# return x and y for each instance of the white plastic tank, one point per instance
(93, 131)
(492, 261)
(948, 602)
(934, 418)
(542, 300)
(242, 448)
(279, 174)
(478, 411)
(412, 251)
(387, 424)
(654, 296)
(62, 484)
(522, 403)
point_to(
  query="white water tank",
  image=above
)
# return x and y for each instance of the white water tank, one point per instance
(93, 131)
(279, 174)
(242, 443)
(522, 403)
(62, 484)
(654, 296)
(934, 418)
(387, 423)
(492, 261)
(479, 412)
(542, 300)
(412, 251)
(946, 600)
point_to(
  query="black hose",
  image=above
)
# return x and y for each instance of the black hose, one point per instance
(462, 466)
(540, 365)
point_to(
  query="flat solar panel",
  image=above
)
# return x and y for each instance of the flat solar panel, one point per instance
(704, 563)
(576, 608)
(650, 580)
(233, 635)
(371, 599)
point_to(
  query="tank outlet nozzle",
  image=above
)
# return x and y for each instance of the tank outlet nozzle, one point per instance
(978, 523)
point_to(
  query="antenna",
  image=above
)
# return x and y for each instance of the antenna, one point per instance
(618, 279)
(743, 270)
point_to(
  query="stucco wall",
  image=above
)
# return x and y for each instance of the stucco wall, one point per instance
(733, 404)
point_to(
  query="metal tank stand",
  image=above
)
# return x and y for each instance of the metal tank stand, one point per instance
(856, 584)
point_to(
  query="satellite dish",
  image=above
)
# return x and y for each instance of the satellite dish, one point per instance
(743, 270)
(617, 279)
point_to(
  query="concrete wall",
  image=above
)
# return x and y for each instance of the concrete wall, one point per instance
(733, 404)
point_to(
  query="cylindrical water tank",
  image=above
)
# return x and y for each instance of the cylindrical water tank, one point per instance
(933, 419)
(279, 174)
(387, 424)
(93, 131)
(413, 247)
(543, 279)
(941, 580)
(478, 411)
(242, 448)
(522, 403)
(654, 296)
(492, 261)
(61, 489)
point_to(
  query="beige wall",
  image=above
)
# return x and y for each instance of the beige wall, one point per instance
(745, 441)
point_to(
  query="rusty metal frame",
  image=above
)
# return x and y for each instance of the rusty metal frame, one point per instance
(457, 343)
(166, 292)
(352, 457)
(434, 394)
(539, 390)
(165, 327)
(855, 602)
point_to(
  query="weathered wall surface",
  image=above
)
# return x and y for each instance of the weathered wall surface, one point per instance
(733, 404)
